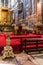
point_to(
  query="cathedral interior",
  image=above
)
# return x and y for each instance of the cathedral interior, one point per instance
(21, 31)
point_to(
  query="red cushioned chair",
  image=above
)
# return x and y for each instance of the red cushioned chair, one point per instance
(2, 42)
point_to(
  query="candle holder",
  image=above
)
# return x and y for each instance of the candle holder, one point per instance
(8, 51)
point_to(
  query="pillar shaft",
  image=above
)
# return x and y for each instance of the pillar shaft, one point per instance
(42, 9)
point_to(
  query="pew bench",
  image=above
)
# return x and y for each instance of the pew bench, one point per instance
(31, 45)
(15, 41)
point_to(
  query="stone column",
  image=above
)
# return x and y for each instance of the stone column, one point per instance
(4, 3)
(42, 9)
(35, 6)
(0, 3)
(18, 1)
(9, 3)
(30, 7)
(35, 10)
(18, 5)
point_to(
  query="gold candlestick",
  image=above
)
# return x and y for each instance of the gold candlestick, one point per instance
(8, 51)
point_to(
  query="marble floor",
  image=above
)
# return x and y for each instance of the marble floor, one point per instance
(19, 59)
(24, 59)
(37, 59)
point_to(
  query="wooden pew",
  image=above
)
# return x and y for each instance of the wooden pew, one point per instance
(32, 44)
(19, 37)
